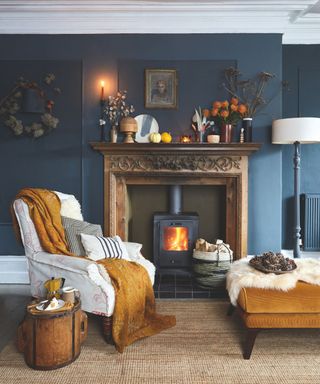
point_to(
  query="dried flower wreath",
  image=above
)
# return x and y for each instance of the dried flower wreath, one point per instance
(11, 107)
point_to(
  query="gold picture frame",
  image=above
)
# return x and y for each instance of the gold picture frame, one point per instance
(161, 89)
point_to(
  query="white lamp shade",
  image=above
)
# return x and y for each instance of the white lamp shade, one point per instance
(305, 130)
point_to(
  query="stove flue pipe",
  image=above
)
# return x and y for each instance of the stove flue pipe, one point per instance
(175, 199)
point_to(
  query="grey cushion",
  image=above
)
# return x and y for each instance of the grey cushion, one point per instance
(73, 228)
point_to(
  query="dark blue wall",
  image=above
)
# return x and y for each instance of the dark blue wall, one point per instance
(301, 68)
(100, 57)
(53, 161)
(199, 84)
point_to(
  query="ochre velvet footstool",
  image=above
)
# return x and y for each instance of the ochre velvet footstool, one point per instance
(266, 308)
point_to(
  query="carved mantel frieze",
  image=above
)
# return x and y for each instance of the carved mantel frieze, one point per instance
(156, 162)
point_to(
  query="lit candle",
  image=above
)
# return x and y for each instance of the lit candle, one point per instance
(102, 90)
(185, 139)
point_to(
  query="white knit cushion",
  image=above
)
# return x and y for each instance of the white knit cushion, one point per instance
(98, 247)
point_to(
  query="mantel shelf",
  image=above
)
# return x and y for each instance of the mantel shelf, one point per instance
(232, 149)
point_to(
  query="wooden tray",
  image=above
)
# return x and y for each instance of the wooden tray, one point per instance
(264, 270)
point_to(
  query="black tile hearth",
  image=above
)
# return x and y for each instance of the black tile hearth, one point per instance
(184, 295)
(175, 286)
(167, 295)
(201, 294)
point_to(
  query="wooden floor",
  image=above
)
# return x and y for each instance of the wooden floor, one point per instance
(13, 299)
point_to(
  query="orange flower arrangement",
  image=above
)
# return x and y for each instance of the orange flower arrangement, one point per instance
(228, 112)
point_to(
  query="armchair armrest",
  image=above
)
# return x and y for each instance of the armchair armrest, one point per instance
(69, 263)
(134, 252)
(150, 267)
(81, 271)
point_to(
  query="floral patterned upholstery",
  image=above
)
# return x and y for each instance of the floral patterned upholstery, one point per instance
(94, 284)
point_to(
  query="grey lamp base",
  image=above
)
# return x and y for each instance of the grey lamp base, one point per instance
(297, 228)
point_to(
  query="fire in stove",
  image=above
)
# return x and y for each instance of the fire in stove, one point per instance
(175, 238)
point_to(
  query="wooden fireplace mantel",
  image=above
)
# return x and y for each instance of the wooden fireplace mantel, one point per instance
(177, 163)
(231, 149)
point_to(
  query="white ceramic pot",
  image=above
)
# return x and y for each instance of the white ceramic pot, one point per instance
(213, 139)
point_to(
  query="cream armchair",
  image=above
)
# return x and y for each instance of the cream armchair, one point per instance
(93, 282)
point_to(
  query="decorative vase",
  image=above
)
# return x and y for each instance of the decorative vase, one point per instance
(201, 137)
(247, 129)
(129, 126)
(113, 134)
(226, 133)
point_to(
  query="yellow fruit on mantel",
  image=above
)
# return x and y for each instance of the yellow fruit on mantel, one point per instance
(155, 137)
(166, 137)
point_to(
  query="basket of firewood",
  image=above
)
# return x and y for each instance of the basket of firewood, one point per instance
(210, 263)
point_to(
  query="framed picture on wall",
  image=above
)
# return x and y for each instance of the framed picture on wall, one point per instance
(161, 88)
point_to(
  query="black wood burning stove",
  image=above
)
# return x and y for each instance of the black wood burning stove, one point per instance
(174, 235)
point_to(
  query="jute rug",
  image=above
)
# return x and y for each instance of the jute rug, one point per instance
(203, 348)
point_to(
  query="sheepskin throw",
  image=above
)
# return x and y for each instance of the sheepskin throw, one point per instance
(242, 275)
(70, 206)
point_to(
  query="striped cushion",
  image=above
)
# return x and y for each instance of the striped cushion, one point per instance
(73, 228)
(98, 247)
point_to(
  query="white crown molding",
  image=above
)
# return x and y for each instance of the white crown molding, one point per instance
(291, 18)
(304, 31)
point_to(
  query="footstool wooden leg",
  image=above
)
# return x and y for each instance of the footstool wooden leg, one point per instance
(231, 310)
(107, 329)
(251, 338)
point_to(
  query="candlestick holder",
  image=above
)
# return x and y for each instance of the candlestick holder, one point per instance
(102, 122)
(102, 125)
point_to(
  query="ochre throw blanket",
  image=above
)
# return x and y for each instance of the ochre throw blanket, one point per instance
(135, 315)
(44, 209)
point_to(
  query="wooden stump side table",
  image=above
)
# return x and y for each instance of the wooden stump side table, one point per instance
(51, 340)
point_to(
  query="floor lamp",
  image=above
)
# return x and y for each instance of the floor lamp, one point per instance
(297, 131)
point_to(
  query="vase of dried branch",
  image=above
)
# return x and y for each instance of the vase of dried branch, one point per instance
(226, 133)
(113, 134)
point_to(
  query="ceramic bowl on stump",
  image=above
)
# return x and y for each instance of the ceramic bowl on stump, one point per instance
(129, 127)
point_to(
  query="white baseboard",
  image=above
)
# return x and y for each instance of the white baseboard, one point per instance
(13, 270)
